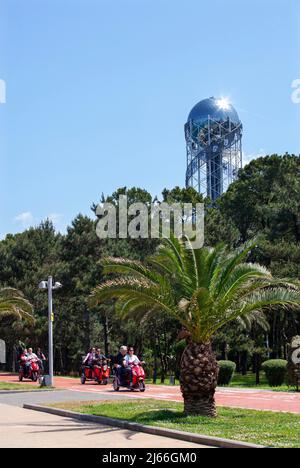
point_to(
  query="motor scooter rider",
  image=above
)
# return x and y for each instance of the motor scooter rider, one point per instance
(42, 359)
(23, 362)
(90, 358)
(31, 357)
(100, 357)
(131, 359)
(27, 357)
(121, 366)
(100, 360)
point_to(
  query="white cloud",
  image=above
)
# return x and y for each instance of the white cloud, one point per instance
(26, 219)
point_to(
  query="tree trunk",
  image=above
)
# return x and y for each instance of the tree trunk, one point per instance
(257, 364)
(244, 362)
(106, 334)
(198, 380)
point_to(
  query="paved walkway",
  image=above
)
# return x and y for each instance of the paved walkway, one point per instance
(20, 428)
(234, 398)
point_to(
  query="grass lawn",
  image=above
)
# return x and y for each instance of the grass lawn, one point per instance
(259, 427)
(242, 381)
(16, 386)
(248, 381)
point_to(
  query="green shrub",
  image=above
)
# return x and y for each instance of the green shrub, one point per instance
(275, 371)
(226, 371)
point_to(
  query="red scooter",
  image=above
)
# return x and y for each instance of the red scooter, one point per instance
(138, 379)
(96, 373)
(33, 371)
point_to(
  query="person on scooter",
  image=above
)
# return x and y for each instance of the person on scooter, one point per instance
(121, 366)
(100, 360)
(23, 362)
(120, 360)
(31, 356)
(42, 359)
(130, 360)
(90, 358)
(100, 357)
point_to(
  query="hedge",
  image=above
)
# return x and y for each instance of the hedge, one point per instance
(226, 372)
(275, 370)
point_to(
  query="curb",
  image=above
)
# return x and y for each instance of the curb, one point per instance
(171, 433)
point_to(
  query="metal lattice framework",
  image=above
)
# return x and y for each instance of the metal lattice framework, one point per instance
(214, 155)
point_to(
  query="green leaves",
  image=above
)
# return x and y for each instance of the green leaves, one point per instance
(13, 303)
(204, 289)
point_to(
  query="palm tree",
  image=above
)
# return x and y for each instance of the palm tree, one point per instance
(203, 289)
(13, 304)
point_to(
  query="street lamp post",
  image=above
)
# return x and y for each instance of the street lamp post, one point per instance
(50, 287)
(50, 330)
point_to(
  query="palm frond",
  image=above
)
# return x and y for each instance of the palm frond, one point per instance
(204, 289)
(13, 303)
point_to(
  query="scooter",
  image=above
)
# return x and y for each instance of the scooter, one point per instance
(33, 371)
(96, 373)
(102, 373)
(138, 379)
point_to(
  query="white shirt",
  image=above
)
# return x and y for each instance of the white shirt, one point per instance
(131, 359)
(31, 356)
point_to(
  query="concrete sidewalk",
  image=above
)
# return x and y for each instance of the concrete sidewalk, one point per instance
(25, 428)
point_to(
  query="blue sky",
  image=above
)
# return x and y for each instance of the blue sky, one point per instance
(98, 93)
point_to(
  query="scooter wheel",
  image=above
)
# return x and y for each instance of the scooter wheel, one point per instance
(105, 382)
(142, 387)
(20, 378)
(116, 386)
(34, 377)
(83, 379)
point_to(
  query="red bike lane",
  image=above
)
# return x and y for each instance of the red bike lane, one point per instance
(234, 398)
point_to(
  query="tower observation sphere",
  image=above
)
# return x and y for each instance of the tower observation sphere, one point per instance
(213, 134)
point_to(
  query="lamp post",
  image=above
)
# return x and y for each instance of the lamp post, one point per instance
(50, 287)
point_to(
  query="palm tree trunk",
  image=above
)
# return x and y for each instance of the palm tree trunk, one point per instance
(198, 380)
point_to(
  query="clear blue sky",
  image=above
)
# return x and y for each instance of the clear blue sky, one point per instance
(98, 92)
